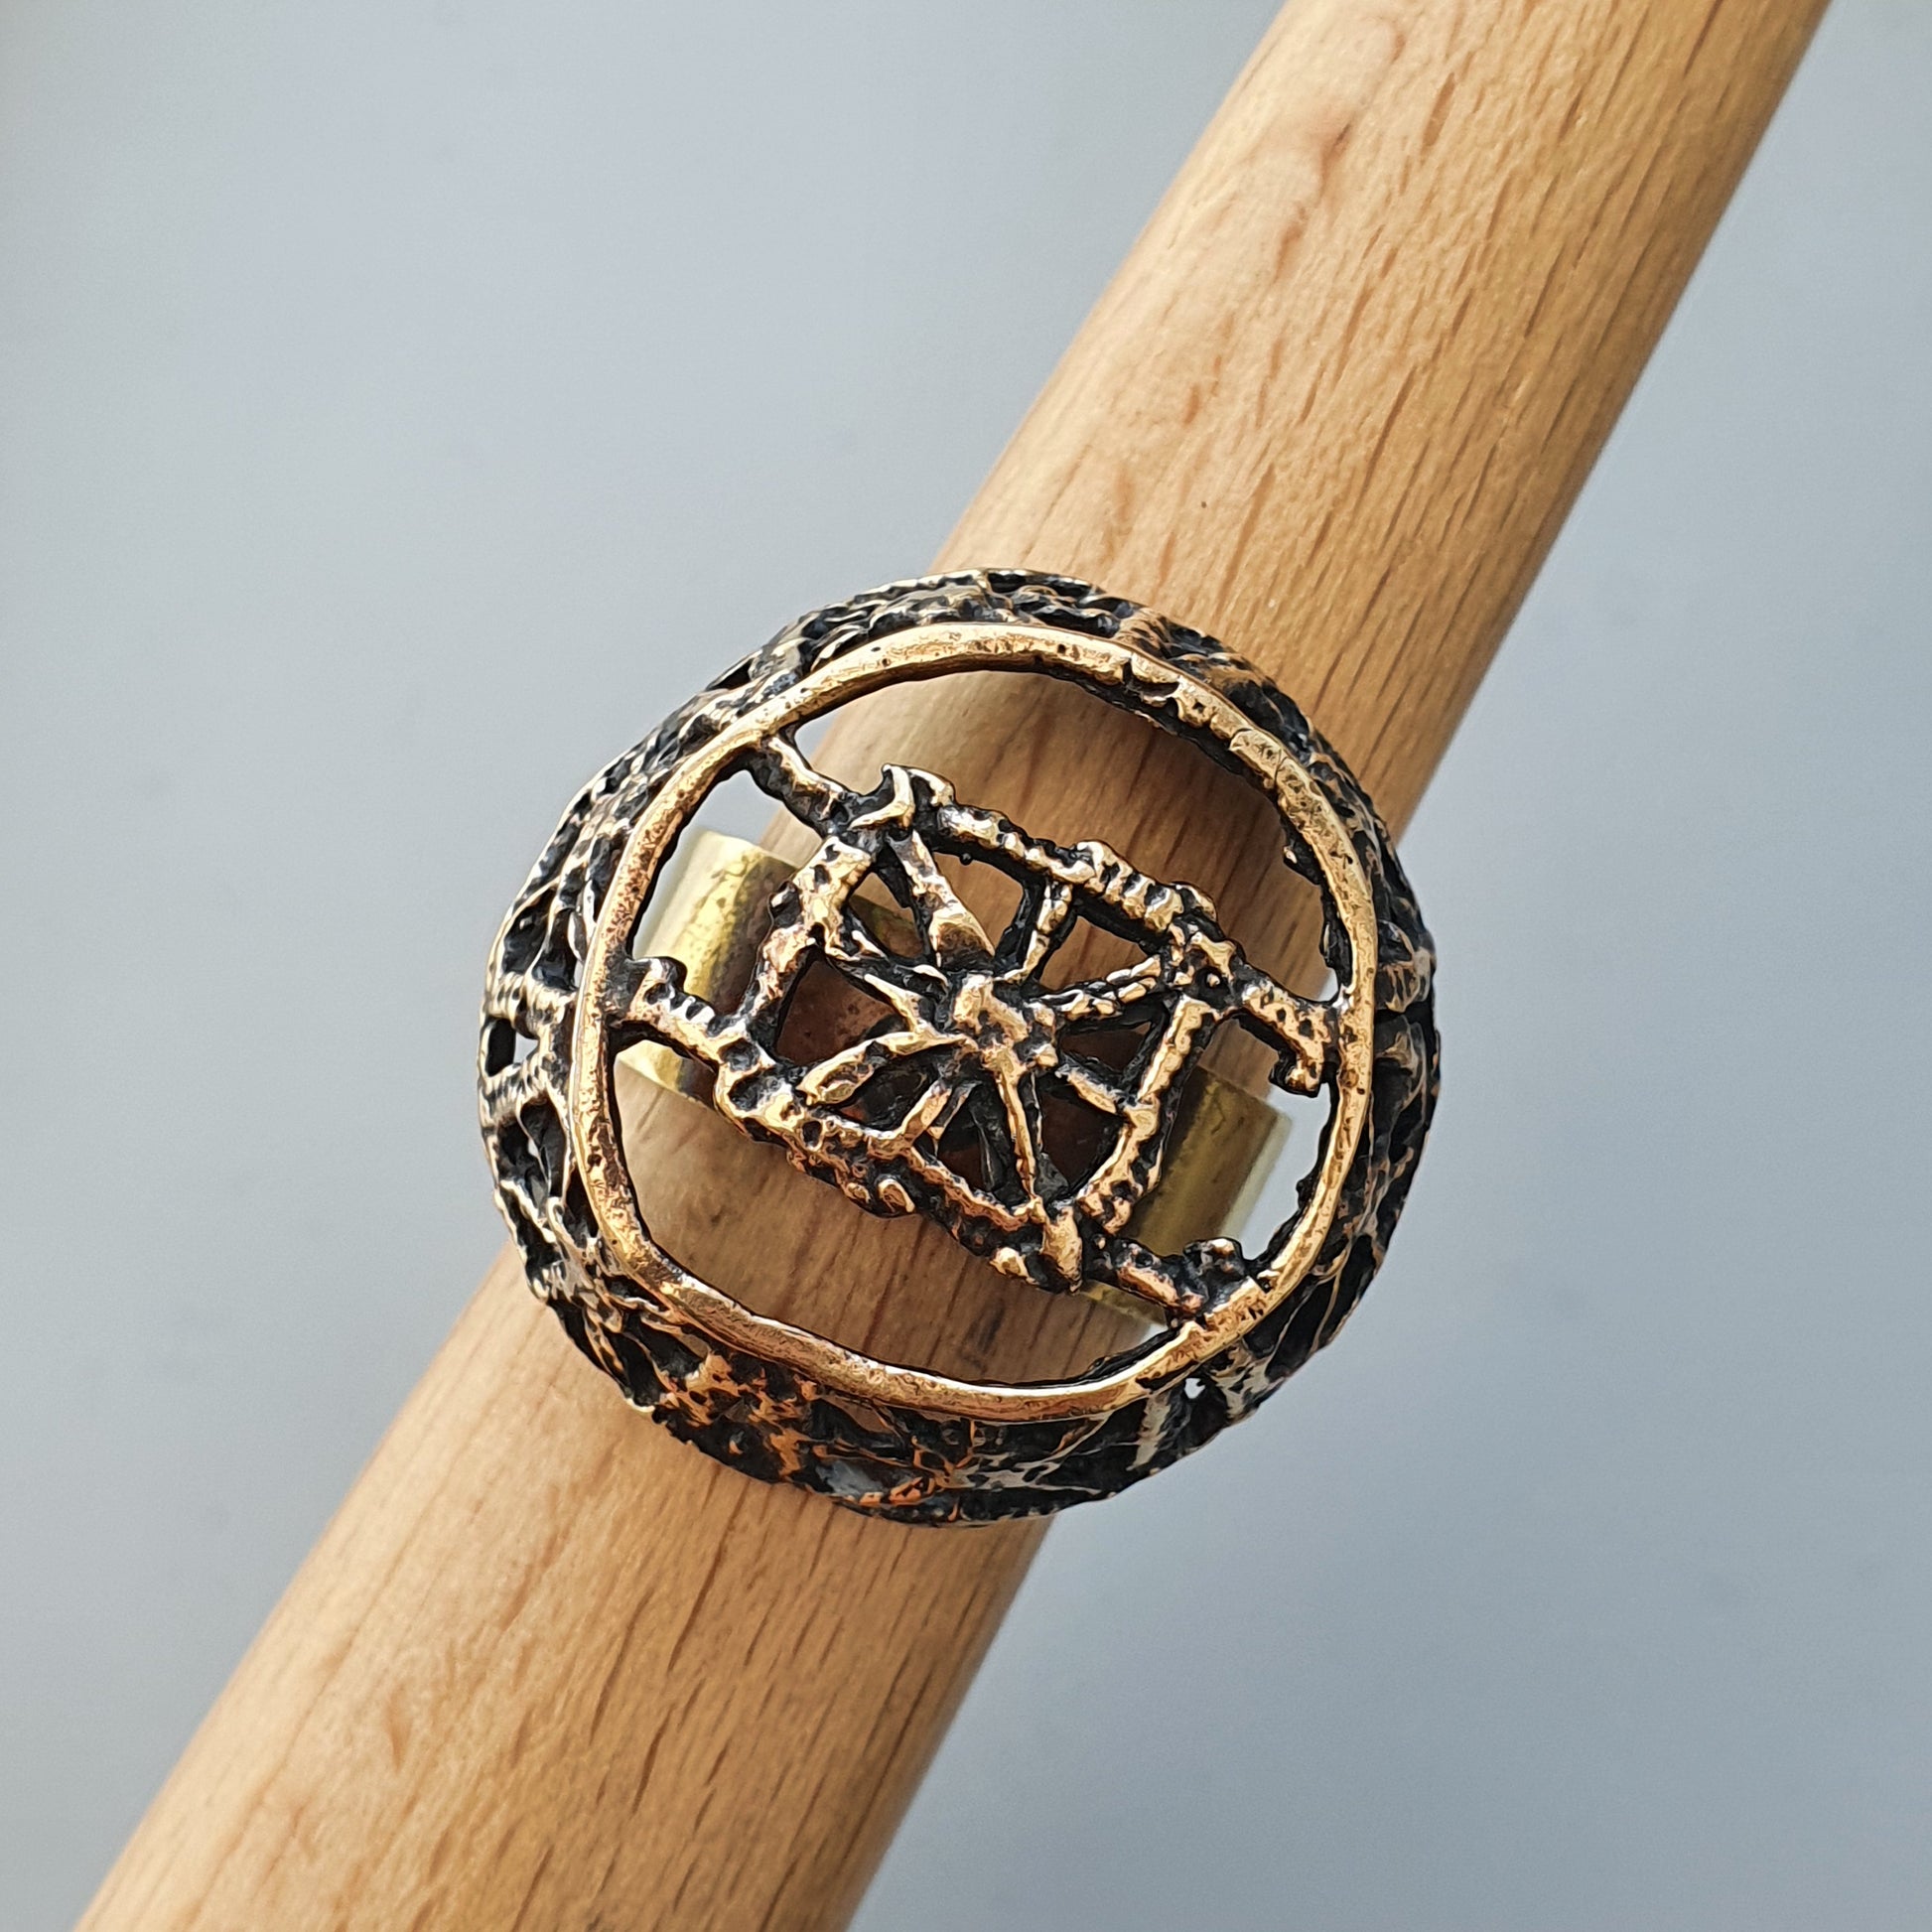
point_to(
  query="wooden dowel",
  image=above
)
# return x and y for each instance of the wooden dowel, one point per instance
(547, 1668)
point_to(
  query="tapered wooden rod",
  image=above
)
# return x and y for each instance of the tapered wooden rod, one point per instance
(549, 1669)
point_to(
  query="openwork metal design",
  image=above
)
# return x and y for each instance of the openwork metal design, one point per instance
(942, 1107)
(955, 1102)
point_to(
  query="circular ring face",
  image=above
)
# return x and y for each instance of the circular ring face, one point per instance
(970, 1007)
(940, 1107)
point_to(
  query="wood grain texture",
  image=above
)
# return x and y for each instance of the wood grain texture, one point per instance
(548, 1669)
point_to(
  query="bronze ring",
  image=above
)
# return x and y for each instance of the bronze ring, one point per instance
(973, 1035)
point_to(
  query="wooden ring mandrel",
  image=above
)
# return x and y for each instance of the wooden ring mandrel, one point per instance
(547, 1668)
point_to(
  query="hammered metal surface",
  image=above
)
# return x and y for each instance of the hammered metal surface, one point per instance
(940, 1110)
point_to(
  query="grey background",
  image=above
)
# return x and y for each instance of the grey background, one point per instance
(376, 374)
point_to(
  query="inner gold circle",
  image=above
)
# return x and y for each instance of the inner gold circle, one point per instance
(1149, 687)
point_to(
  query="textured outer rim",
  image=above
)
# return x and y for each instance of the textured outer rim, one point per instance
(766, 1418)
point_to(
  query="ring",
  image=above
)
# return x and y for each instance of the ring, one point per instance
(943, 1105)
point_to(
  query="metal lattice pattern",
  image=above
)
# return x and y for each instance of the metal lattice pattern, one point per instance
(941, 1108)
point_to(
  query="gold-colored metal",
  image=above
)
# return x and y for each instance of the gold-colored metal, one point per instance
(869, 1026)
(711, 912)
